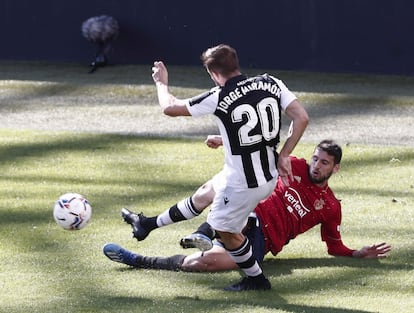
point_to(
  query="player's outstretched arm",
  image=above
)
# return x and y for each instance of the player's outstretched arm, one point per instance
(375, 251)
(171, 105)
(300, 119)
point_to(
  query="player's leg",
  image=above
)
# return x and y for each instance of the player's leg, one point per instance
(203, 237)
(214, 260)
(228, 215)
(184, 210)
(217, 258)
(240, 251)
(119, 254)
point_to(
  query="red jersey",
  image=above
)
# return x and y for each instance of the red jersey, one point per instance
(292, 210)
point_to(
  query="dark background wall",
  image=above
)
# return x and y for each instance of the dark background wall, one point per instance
(317, 35)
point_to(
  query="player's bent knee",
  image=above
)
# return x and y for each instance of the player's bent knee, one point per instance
(214, 260)
(203, 197)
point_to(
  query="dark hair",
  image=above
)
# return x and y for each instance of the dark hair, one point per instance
(331, 148)
(221, 59)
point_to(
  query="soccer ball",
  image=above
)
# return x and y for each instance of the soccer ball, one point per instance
(72, 211)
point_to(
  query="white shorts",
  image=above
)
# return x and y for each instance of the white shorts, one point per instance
(231, 206)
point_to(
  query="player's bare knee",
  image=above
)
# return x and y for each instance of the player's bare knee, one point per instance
(203, 197)
(195, 263)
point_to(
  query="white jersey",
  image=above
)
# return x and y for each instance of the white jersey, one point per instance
(248, 114)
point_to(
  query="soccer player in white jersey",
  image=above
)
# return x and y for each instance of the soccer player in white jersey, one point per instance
(248, 114)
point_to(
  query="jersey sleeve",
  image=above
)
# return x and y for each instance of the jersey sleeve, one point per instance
(337, 248)
(330, 233)
(203, 104)
(286, 96)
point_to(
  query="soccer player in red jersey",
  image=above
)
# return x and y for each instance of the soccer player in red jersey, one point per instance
(289, 211)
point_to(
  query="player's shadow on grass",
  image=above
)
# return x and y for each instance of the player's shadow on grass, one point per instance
(279, 267)
(198, 304)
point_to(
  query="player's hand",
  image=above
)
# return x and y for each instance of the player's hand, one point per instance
(375, 251)
(160, 73)
(284, 168)
(214, 141)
